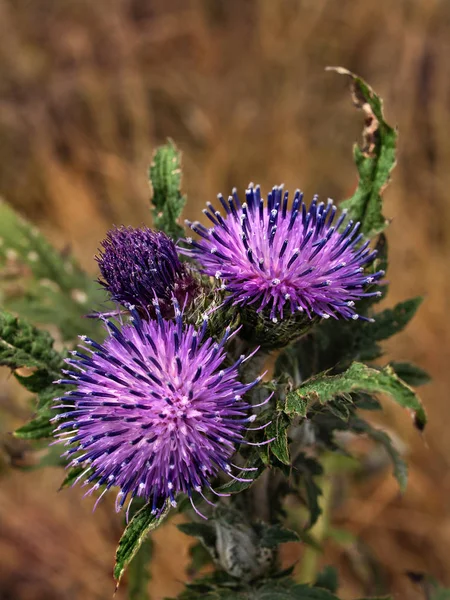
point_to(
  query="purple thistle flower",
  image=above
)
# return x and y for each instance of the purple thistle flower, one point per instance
(155, 412)
(138, 265)
(283, 257)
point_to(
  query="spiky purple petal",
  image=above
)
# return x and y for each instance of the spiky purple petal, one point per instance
(285, 257)
(156, 411)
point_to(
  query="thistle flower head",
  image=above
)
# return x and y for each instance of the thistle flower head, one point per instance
(155, 411)
(285, 257)
(138, 265)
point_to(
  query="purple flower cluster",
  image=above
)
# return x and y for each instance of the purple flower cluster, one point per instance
(284, 257)
(155, 411)
(138, 265)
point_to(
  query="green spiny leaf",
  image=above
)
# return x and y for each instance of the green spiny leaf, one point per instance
(40, 283)
(167, 200)
(273, 589)
(205, 532)
(40, 427)
(360, 426)
(134, 535)
(279, 447)
(335, 344)
(393, 320)
(22, 345)
(357, 378)
(374, 160)
(46, 397)
(199, 558)
(274, 535)
(410, 373)
(306, 470)
(139, 572)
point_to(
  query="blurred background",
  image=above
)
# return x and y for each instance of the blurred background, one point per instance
(88, 89)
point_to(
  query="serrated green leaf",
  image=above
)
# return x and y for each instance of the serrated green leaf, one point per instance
(306, 469)
(279, 447)
(374, 160)
(357, 378)
(274, 535)
(205, 532)
(23, 345)
(400, 466)
(335, 344)
(41, 284)
(199, 558)
(167, 200)
(46, 397)
(134, 535)
(274, 589)
(393, 320)
(38, 428)
(411, 374)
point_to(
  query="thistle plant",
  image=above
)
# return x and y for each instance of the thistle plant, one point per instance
(163, 396)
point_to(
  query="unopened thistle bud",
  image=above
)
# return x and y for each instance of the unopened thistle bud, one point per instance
(139, 265)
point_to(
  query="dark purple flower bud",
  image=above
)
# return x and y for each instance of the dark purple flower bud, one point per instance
(138, 265)
(156, 410)
(284, 257)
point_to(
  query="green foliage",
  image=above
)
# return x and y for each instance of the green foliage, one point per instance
(307, 470)
(321, 381)
(333, 345)
(134, 535)
(167, 200)
(39, 427)
(23, 345)
(374, 160)
(139, 572)
(328, 579)
(274, 535)
(411, 374)
(213, 588)
(279, 447)
(357, 378)
(270, 536)
(205, 532)
(40, 283)
(400, 466)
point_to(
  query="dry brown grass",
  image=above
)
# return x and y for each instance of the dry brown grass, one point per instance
(88, 89)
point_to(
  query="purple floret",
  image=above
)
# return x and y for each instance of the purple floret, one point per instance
(155, 412)
(285, 257)
(138, 265)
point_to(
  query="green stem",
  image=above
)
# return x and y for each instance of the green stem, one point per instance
(309, 566)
